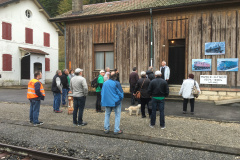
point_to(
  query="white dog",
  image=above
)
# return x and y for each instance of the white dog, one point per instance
(134, 108)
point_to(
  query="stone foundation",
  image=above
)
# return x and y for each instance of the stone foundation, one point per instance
(6, 83)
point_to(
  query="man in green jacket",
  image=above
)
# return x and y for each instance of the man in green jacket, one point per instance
(100, 82)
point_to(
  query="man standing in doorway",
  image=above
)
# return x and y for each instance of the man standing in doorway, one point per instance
(57, 91)
(79, 89)
(65, 89)
(100, 82)
(35, 94)
(165, 70)
(158, 90)
(133, 78)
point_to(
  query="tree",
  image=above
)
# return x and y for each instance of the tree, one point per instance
(51, 6)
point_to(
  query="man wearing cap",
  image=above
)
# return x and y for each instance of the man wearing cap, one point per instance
(79, 88)
(100, 82)
(158, 90)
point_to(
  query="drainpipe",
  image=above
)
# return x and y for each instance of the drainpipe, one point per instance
(65, 48)
(151, 37)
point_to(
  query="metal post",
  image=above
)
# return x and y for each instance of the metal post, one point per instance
(65, 47)
(151, 37)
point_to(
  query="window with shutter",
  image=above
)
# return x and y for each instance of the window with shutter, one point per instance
(7, 62)
(46, 39)
(29, 35)
(47, 64)
(6, 31)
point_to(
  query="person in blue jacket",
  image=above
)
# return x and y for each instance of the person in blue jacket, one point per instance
(112, 96)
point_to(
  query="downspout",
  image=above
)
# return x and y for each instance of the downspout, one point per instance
(65, 47)
(151, 37)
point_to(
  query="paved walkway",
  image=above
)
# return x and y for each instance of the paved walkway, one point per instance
(203, 110)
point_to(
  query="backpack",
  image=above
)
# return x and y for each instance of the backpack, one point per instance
(94, 83)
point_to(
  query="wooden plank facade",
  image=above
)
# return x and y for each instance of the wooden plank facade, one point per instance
(131, 39)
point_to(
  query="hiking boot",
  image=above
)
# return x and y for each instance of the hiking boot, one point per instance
(119, 132)
(143, 116)
(184, 112)
(163, 127)
(192, 113)
(82, 124)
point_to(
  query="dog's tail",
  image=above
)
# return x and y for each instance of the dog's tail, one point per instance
(126, 109)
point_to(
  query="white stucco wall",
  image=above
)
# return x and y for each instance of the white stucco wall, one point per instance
(15, 14)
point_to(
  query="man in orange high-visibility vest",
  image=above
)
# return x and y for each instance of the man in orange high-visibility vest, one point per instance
(35, 94)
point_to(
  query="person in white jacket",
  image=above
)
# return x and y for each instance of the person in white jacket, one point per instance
(186, 92)
(165, 70)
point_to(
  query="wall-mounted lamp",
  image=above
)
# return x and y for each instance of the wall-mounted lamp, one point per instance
(163, 45)
(172, 42)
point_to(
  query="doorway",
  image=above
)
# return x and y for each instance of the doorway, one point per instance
(37, 67)
(25, 67)
(176, 61)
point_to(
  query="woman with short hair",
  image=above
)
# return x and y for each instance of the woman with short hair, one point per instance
(186, 92)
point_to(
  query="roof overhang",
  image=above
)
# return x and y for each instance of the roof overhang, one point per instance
(146, 10)
(26, 51)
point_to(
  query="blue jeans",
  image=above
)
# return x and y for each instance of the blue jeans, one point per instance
(160, 105)
(34, 111)
(64, 95)
(108, 111)
(79, 104)
(56, 101)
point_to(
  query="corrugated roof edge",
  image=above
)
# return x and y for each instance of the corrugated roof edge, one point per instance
(6, 3)
(142, 10)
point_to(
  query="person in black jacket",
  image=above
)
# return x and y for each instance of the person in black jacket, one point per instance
(133, 78)
(65, 84)
(57, 91)
(158, 90)
(150, 74)
(142, 86)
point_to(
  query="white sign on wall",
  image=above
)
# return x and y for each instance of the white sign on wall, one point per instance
(213, 79)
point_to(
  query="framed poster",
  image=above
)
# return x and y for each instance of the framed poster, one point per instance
(227, 64)
(214, 48)
(201, 64)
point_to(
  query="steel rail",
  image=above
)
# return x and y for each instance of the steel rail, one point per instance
(34, 153)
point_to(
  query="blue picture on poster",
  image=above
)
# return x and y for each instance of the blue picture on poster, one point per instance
(215, 48)
(227, 64)
(201, 64)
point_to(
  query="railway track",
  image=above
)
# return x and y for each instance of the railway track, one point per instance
(29, 154)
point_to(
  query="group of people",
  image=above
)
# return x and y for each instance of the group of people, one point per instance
(153, 88)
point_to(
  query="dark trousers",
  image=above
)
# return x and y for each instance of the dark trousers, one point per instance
(185, 102)
(144, 102)
(98, 103)
(132, 87)
(79, 104)
(160, 105)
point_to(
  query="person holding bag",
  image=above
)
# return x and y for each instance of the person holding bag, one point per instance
(141, 91)
(189, 90)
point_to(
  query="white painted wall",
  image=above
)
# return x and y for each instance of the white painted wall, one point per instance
(15, 14)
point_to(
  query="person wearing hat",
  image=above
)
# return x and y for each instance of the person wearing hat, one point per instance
(158, 90)
(142, 86)
(186, 92)
(100, 82)
(79, 88)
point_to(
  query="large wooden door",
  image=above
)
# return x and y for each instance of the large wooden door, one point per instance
(176, 61)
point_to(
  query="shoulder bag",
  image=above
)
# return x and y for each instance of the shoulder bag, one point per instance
(138, 93)
(194, 90)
